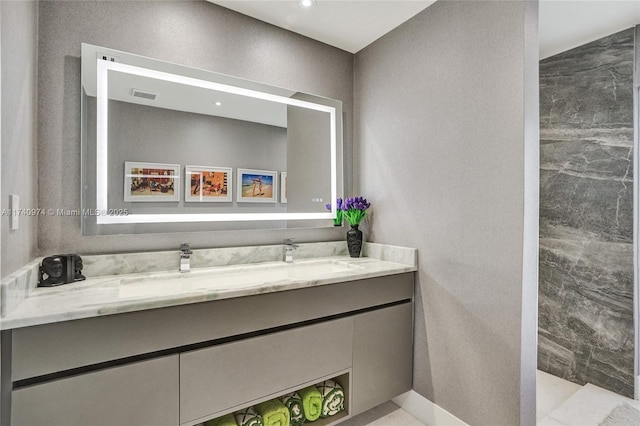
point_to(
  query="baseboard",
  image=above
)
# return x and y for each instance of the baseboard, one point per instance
(426, 411)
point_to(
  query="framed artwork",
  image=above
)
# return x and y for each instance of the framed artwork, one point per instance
(283, 187)
(257, 186)
(151, 182)
(205, 184)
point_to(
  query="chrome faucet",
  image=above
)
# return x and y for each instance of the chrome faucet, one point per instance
(185, 257)
(288, 250)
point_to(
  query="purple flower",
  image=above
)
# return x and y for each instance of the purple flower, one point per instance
(354, 209)
(338, 204)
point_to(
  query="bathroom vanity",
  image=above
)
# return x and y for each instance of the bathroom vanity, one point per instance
(151, 348)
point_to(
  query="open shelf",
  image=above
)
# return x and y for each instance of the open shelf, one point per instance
(342, 379)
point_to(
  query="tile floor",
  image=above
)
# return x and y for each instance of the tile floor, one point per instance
(387, 414)
(397, 418)
(559, 403)
(551, 392)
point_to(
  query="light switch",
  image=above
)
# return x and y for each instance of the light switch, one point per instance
(14, 205)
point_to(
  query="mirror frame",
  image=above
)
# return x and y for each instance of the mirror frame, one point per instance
(102, 115)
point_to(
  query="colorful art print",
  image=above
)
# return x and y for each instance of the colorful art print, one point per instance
(283, 187)
(208, 184)
(257, 186)
(151, 182)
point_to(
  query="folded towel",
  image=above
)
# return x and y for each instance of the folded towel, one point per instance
(311, 403)
(332, 398)
(248, 417)
(227, 420)
(294, 403)
(274, 413)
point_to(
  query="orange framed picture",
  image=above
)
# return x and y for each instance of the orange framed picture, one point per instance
(208, 184)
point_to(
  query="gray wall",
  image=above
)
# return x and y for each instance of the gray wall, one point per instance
(586, 214)
(447, 154)
(197, 34)
(19, 27)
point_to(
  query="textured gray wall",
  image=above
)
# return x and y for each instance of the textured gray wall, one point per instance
(197, 34)
(19, 65)
(447, 152)
(586, 214)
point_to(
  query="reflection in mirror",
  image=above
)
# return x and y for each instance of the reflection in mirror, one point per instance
(170, 148)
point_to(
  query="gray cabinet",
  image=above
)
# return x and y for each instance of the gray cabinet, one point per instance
(382, 356)
(190, 363)
(60, 346)
(142, 393)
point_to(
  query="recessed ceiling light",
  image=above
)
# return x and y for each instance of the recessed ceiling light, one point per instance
(218, 103)
(306, 3)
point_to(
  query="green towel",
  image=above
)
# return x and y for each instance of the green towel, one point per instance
(274, 413)
(227, 420)
(248, 417)
(311, 403)
(294, 403)
(332, 398)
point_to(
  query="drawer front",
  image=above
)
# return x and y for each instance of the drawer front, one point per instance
(226, 376)
(382, 356)
(142, 393)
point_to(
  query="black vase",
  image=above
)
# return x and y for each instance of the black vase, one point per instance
(354, 241)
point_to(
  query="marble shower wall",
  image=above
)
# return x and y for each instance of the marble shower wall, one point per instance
(586, 331)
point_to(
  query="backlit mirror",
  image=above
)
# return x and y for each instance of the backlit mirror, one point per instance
(168, 148)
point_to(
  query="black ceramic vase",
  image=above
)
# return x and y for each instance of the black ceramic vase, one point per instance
(354, 241)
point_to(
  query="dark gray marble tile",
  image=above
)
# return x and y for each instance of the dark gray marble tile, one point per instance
(555, 358)
(600, 206)
(589, 87)
(586, 312)
(586, 330)
(607, 368)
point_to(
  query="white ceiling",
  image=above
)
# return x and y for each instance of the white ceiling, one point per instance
(566, 24)
(353, 24)
(347, 24)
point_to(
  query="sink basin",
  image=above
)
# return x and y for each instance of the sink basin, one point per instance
(232, 277)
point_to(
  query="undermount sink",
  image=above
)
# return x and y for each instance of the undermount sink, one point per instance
(232, 277)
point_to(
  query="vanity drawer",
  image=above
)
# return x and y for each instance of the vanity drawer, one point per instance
(142, 393)
(227, 376)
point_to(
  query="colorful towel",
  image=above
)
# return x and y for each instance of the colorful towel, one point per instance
(294, 403)
(227, 420)
(274, 413)
(332, 398)
(311, 403)
(248, 417)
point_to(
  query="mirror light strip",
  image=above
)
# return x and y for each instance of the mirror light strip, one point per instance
(102, 138)
(211, 217)
(190, 81)
(334, 167)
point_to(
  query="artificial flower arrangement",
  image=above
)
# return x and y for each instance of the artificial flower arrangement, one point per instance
(351, 209)
(337, 221)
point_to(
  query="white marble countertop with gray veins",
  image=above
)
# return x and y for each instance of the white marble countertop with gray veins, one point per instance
(124, 288)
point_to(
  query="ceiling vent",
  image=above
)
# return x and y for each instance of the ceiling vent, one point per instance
(142, 94)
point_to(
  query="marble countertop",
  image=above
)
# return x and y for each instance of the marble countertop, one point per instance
(129, 292)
